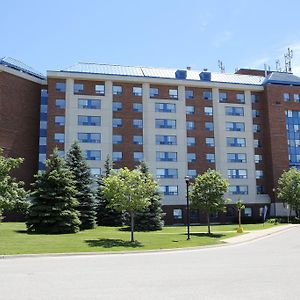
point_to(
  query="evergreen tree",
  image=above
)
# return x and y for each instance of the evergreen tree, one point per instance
(53, 208)
(106, 216)
(83, 184)
(150, 218)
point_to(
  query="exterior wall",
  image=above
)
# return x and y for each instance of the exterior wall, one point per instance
(19, 121)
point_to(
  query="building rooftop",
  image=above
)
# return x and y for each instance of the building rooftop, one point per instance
(20, 66)
(282, 78)
(106, 69)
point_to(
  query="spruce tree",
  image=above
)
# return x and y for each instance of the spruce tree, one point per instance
(53, 207)
(106, 216)
(83, 184)
(150, 218)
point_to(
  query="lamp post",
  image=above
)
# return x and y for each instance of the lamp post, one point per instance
(273, 189)
(187, 181)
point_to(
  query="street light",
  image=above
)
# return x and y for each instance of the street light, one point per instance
(187, 181)
(274, 195)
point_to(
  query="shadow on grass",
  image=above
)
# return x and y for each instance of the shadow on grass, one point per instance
(21, 231)
(202, 234)
(109, 243)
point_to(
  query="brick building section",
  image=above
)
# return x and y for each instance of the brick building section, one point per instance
(19, 123)
(53, 111)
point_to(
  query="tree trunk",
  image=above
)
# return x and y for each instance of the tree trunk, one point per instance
(208, 223)
(132, 225)
(240, 218)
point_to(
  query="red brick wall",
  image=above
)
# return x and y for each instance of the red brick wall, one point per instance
(19, 122)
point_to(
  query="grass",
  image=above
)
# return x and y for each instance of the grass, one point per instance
(15, 240)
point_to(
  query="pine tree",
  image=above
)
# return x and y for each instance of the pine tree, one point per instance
(83, 184)
(106, 216)
(53, 208)
(151, 218)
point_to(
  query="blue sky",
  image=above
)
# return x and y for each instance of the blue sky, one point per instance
(50, 35)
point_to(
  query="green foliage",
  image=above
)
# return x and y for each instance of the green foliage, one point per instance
(106, 216)
(151, 217)
(53, 208)
(208, 192)
(288, 190)
(83, 184)
(274, 221)
(129, 191)
(239, 204)
(13, 197)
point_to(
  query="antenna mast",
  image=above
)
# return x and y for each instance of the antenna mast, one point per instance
(221, 66)
(288, 60)
(278, 66)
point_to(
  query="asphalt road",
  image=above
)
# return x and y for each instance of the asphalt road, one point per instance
(267, 268)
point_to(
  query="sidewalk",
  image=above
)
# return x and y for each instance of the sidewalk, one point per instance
(257, 234)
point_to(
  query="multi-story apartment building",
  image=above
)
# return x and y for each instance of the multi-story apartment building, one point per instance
(180, 122)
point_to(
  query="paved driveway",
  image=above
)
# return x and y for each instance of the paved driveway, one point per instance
(268, 268)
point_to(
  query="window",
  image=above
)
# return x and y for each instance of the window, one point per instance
(248, 212)
(89, 103)
(207, 95)
(42, 141)
(84, 137)
(137, 123)
(59, 138)
(234, 111)
(169, 190)
(237, 173)
(235, 126)
(43, 124)
(296, 98)
(209, 126)
(138, 139)
(236, 157)
(190, 110)
(255, 113)
(166, 156)
(95, 172)
(117, 90)
(166, 139)
(60, 86)
(259, 174)
(60, 103)
(257, 158)
(238, 189)
(210, 142)
(100, 89)
(78, 87)
(137, 91)
(192, 173)
(236, 142)
(117, 139)
(191, 141)
(260, 189)
(190, 125)
(154, 92)
(210, 157)
(256, 128)
(165, 107)
(223, 97)
(165, 123)
(173, 93)
(208, 111)
(137, 107)
(189, 94)
(240, 97)
(254, 98)
(177, 214)
(286, 97)
(60, 120)
(117, 122)
(166, 173)
(93, 155)
(89, 120)
(191, 157)
(117, 106)
(256, 143)
(117, 156)
(138, 156)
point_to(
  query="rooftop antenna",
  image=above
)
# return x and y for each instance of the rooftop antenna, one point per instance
(278, 66)
(267, 68)
(288, 60)
(221, 66)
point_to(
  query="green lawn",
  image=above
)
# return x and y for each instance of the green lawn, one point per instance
(15, 240)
